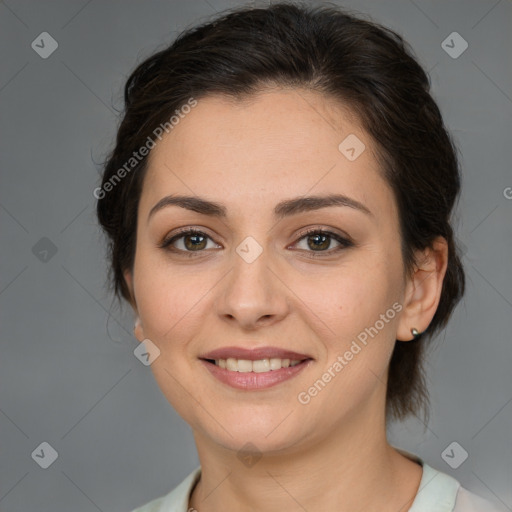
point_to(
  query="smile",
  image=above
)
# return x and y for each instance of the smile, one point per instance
(259, 366)
(254, 375)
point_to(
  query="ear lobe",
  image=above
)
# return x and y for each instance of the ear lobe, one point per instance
(423, 290)
(138, 330)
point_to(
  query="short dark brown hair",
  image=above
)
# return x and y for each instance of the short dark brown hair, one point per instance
(368, 67)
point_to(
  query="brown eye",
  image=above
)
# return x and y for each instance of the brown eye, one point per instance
(190, 240)
(194, 242)
(319, 241)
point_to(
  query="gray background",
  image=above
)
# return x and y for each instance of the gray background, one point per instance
(68, 375)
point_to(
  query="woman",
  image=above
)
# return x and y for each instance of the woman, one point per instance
(278, 205)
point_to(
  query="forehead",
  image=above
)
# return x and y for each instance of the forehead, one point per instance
(274, 143)
(293, 124)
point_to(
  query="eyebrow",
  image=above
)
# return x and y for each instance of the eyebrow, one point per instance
(283, 209)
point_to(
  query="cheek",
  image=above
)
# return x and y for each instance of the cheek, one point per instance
(171, 314)
(350, 298)
(355, 312)
(361, 319)
(163, 297)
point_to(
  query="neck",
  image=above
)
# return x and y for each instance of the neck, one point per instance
(351, 468)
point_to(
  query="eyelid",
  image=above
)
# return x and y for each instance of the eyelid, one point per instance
(181, 232)
(344, 241)
(324, 230)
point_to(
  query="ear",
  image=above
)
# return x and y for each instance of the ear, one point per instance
(137, 329)
(423, 289)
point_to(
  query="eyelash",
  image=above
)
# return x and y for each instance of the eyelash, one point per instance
(166, 244)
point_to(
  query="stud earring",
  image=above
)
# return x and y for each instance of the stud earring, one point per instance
(415, 332)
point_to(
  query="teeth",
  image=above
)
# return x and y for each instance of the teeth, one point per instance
(259, 366)
(231, 364)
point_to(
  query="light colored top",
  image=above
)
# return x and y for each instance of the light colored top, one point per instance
(438, 492)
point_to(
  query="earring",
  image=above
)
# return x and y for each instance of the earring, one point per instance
(415, 332)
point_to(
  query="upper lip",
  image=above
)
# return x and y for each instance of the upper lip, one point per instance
(253, 354)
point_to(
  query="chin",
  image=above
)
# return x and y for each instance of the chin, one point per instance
(267, 435)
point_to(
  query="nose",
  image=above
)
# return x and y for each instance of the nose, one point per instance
(252, 294)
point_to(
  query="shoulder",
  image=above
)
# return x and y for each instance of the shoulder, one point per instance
(153, 506)
(440, 492)
(175, 501)
(470, 502)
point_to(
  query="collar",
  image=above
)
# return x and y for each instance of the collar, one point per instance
(437, 491)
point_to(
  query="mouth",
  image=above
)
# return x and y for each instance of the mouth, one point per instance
(254, 369)
(232, 364)
(258, 360)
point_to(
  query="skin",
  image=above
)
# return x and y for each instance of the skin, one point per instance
(331, 454)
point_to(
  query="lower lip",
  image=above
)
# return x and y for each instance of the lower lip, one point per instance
(251, 380)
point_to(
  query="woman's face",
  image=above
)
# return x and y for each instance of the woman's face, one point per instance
(252, 279)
